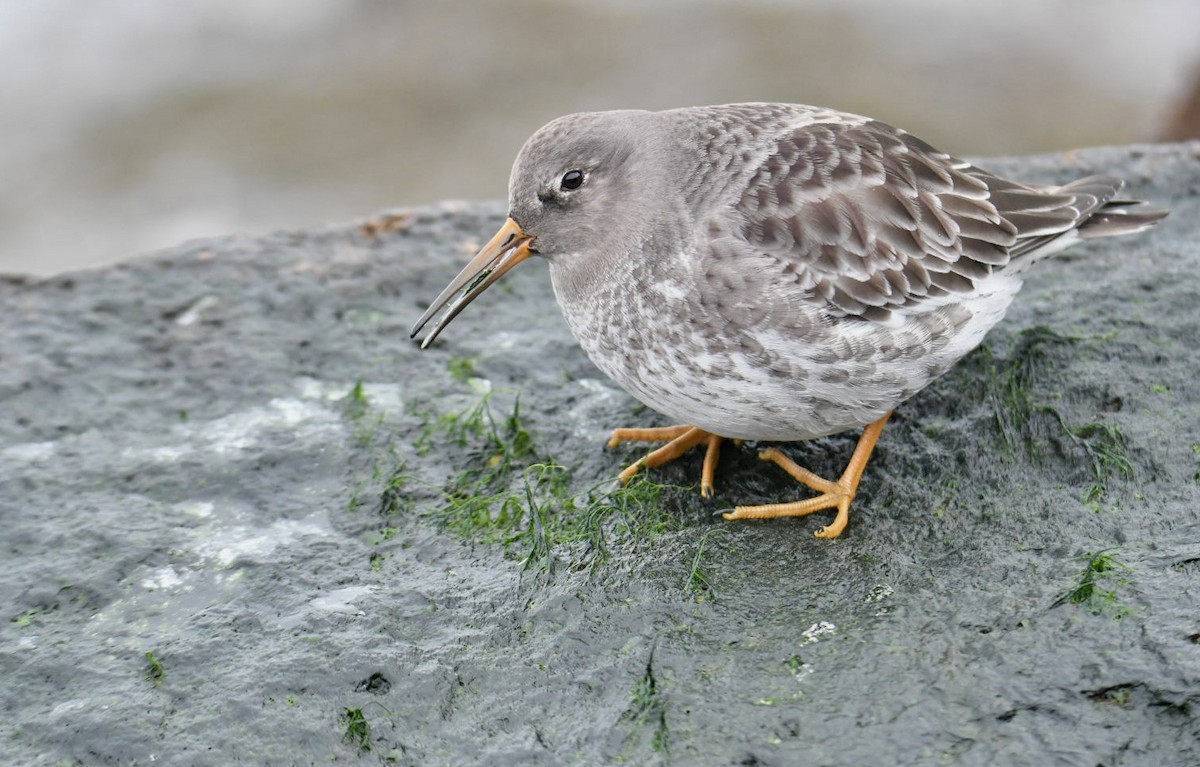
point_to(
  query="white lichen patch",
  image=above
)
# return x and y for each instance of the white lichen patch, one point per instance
(387, 397)
(241, 431)
(201, 509)
(879, 592)
(341, 600)
(162, 578)
(237, 543)
(30, 451)
(815, 632)
(314, 416)
(165, 454)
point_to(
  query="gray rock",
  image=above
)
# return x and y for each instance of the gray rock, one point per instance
(188, 469)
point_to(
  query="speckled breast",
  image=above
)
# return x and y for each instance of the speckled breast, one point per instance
(755, 381)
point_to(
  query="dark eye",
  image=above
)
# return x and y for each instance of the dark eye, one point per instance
(571, 180)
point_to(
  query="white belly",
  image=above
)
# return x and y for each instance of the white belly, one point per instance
(757, 383)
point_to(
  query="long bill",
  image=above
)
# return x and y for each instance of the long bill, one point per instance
(509, 247)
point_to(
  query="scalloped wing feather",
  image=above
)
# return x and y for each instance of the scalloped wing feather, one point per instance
(870, 220)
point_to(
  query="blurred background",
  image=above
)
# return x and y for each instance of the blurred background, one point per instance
(131, 125)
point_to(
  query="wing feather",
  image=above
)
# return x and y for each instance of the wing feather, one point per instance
(869, 220)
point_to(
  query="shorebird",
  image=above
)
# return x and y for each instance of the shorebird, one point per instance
(774, 272)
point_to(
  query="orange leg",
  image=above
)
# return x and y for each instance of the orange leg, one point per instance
(679, 439)
(834, 495)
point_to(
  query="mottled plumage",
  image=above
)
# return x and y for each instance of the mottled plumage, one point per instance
(773, 271)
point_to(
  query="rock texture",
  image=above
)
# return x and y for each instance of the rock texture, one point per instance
(244, 520)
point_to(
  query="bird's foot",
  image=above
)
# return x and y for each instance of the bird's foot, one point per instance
(679, 439)
(833, 495)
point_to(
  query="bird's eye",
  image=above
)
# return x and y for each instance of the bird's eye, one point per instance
(571, 180)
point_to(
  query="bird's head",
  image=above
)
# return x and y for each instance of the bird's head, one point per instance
(581, 191)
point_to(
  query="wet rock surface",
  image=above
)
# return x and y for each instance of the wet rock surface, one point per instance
(245, 520)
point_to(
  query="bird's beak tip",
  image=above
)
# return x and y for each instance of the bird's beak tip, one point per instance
(507, 248)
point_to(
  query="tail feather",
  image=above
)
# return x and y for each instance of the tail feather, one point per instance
(1084, 209)
(1102, 214)
(1121, 217)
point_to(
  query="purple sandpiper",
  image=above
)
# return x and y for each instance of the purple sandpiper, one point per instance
(774, 272)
